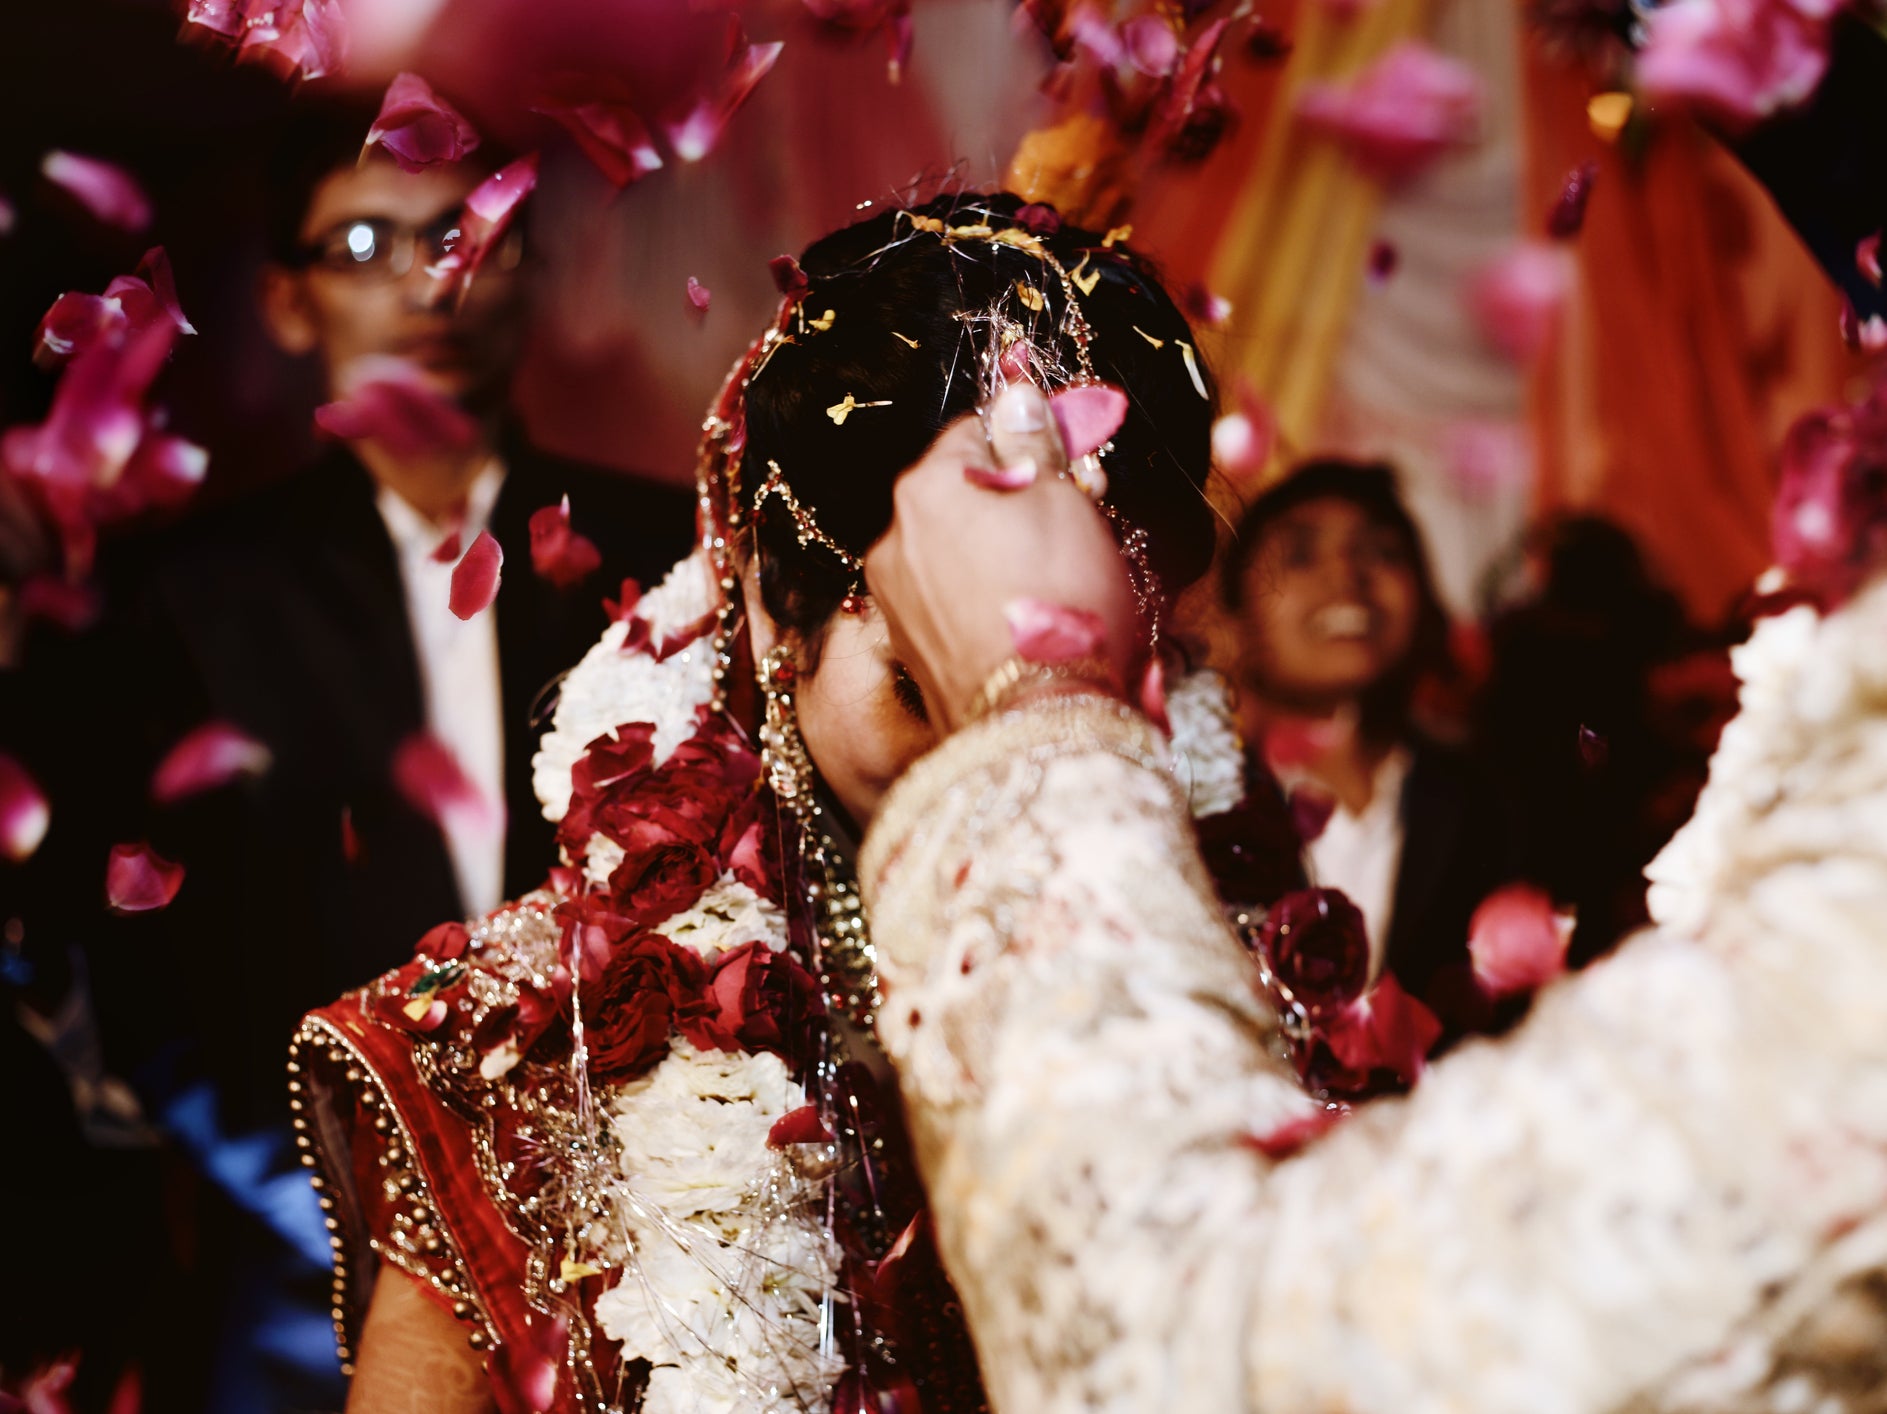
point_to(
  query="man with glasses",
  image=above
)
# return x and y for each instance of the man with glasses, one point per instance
(314, 617)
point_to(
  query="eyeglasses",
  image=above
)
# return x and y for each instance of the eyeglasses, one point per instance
(376, 249)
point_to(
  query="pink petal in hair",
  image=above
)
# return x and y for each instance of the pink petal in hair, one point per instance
(1053, 633)
(1088, 416)
(417, 128)
(475, 579)
(212, 755)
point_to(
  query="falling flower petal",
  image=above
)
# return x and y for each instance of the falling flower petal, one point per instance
(1088, 416)
(1402, 113)
(1867, 257)
(138, 879)
(7, 217)
(1383, 259)
(208, 757)
(1203, 307)
(223, 18)
(1194, 112)
(800, 1126)
(1243, 439)
(1484, 459)
(444, 942)
(1734, 63)
(788, 278)
(390, 401)
(1311, 809)
(1517, 301)
(430, 779)
(1868, 336)
(111, 194)
(1150, 45)
(1517, 940)
(1291, 1136)
(73, 607)
(350, 837)
(295, 39)
(1002, 478)
(75, 323)
(1569, 211)
(624, 607)
(1053, 633)
(475, 579)
(1385, 1029)
(698, 296)
(489, 212)
(419, 129)
(1267, 43)
(1291, 742)
(24, 813)
(558, 553)
(165, 470)
(1593, 748)
(1152, 695)
(448, 549)
(694, 132)
(596, 112)
(526, 1369)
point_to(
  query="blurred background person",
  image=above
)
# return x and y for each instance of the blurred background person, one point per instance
(1338, 623)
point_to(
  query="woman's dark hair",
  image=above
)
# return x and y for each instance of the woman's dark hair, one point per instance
(1371, 488)
(901, 305)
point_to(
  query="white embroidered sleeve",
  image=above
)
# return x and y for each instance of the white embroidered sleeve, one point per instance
(1594, 1214)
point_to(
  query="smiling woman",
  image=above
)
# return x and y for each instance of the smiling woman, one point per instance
(1340, 623)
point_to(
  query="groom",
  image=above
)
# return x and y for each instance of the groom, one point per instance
(315, 618)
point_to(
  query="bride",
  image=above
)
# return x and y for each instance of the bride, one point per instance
(628, 1142)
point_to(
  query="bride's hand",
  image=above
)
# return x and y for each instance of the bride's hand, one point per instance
(959, 552)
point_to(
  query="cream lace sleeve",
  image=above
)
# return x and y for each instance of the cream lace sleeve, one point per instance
(1608, 1209)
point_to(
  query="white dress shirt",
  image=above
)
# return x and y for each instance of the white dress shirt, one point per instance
(1361, 853)
(458, 673)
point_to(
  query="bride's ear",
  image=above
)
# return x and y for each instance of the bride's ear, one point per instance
(762, 633)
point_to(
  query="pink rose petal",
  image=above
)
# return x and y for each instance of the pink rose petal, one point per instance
(24, 813)
(73, 607)
(1088, 416)
(417, 128)
(1384, 1029)
(1518, 300)
(1484, 459)
(1868, 336)
(7, 216)
(597, 113)
(1568, 215)
(694, 130)
(788, 278)
(1149, 44)
(489, 212)
(1398, 116)
(75, 323)
(698, 296)
(206, 758)
(223, 18)
(528, 1368)
(1001, 478)
(111, 194)
(558, 553)
(1244, 439)
(1517, 940)
(1593, 748)
(1152, 695)
(294, 39)
(475, 579)
(1867, 257)
(800, 1126)
(390, 401)
(430, 779)
(443, 942)
(448, 549)
(139, 880)
(1203, 307)
(1734, 63)
(1053, 633)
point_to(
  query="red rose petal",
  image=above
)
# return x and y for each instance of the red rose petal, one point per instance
(1868, 336)
(448, 549)
(475, 579)
(1517, 300)
(1385, 1029)
(73, 607)
(597, 113)
(489, 212)
(694, 131)
(1088, 416)
(111, 194)
(212, 755)
(444, 943)
(1484, 459)
(430, 779)
(1152, 695)
(1201, 306)
(75, 323)
(1867, 257)
(1001, 478)
(1400, 114)
(698, 295)
(154, 273)
(164, 471)
(1311, 809)
(622, 608)
(1517, 940)
(295, 39)
(1291, 1136)
(390, 401)
(524, 1371)
(24, 813)
(558, 553)
(1053, 633)
(801, 1126)
(350, 837)
(1593, 748)
(1149, 44)
(788, 278)
(417, 128)
(138, 879)
(1297, 741)
(1569, 210)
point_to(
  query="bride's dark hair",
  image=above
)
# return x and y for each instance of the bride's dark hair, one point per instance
(893, 315)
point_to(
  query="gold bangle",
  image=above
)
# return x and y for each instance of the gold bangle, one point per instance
(1016, 675)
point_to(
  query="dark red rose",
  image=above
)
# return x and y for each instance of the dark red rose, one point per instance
(756, 1000)
(655, 884)
(1317, 945)
(630, 1012)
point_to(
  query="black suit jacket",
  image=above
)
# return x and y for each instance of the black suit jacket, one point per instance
(285, 615)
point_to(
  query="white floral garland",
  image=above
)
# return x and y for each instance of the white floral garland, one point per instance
(727, 1263)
